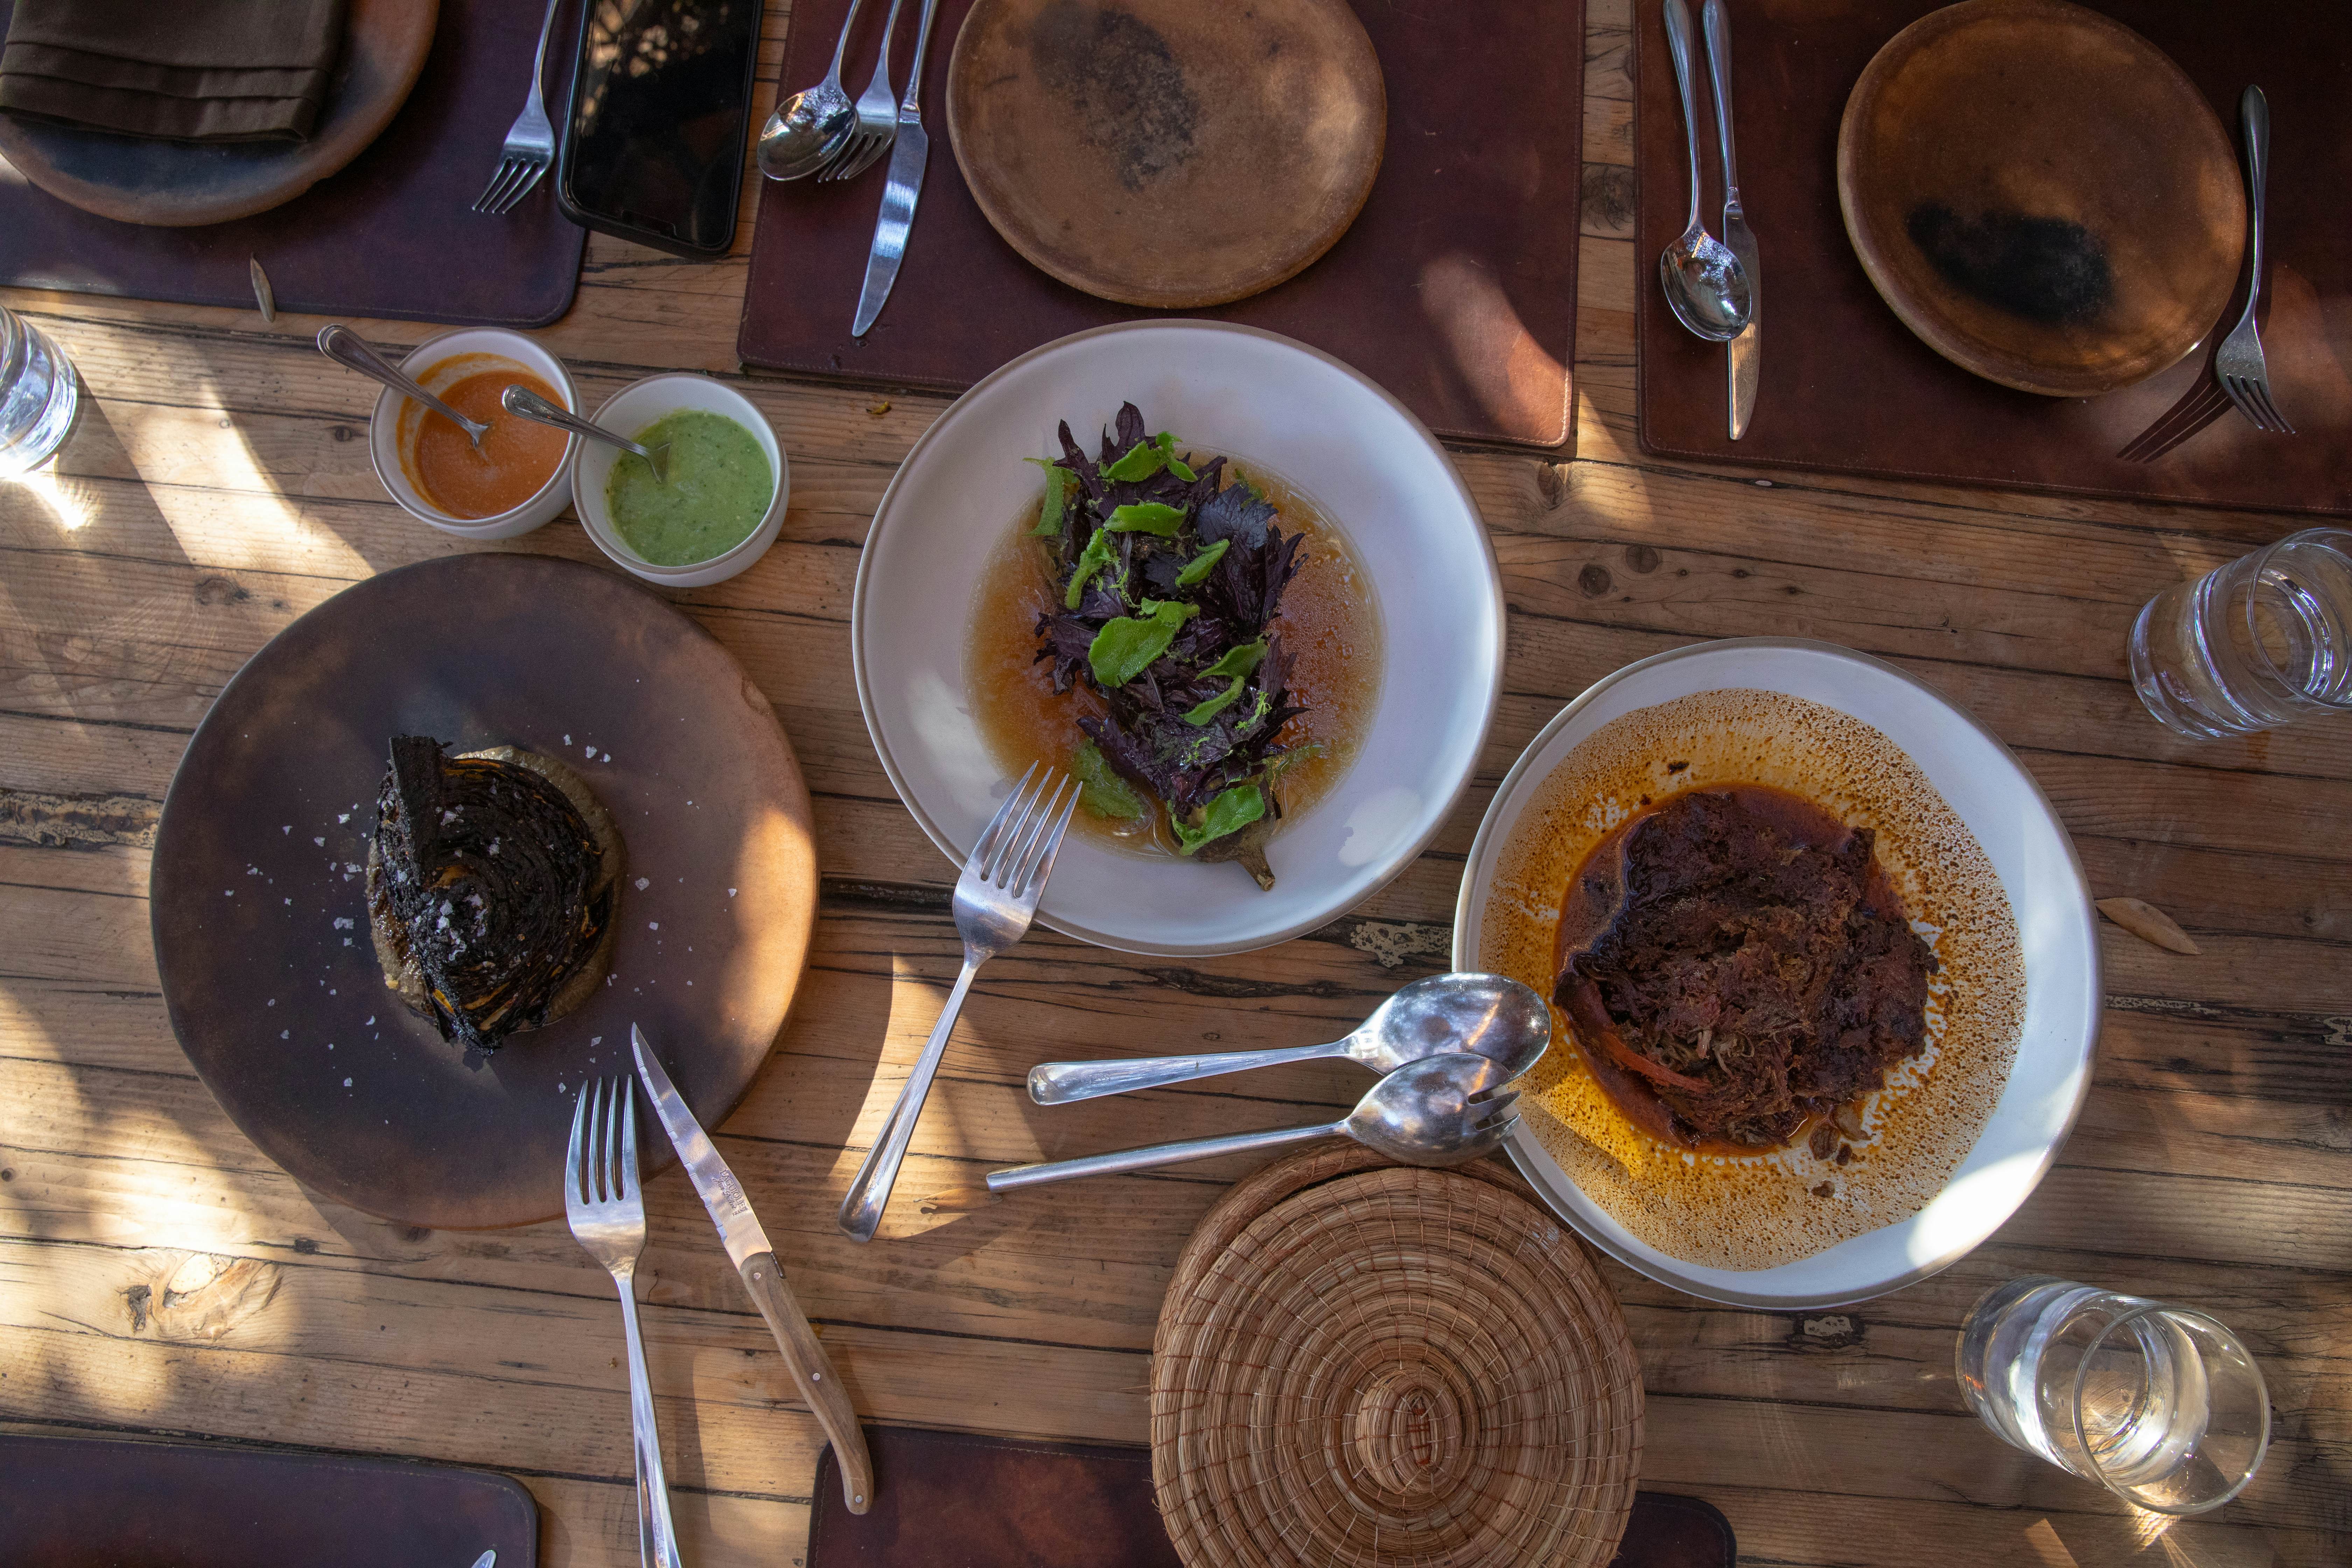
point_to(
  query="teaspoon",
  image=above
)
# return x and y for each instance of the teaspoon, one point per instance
(1706, 286)
(1440, 1111)
(807, 129)
(346, 348)
(524, 403)
(1499, 1019)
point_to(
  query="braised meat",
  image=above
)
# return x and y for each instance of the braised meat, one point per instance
(1734, 970)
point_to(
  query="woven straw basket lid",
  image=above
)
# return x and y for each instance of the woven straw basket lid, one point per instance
(1387, 1366)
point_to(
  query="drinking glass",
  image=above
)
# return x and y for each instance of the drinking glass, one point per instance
(2160, 1405)
(38, 395)
(2253, 645)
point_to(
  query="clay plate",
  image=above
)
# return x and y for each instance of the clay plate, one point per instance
(2042, 195)
(1164, 153)
(548, 655)
(178, 184)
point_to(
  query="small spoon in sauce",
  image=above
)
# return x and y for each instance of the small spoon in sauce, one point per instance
(1501, 1020)
(524, 403)
(347, 349)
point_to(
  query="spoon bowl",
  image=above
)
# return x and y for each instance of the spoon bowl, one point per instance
(1706, 288)
(808, 128)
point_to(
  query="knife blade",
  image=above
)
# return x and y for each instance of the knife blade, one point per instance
(908, 154)
(1744, 355)
(755, 1260)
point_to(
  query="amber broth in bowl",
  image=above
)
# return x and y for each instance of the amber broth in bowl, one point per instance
(1331, 623)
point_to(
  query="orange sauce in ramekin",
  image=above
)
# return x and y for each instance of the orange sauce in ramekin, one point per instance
(517, 457)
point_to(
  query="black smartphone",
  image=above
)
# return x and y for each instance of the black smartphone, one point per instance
(653, 139)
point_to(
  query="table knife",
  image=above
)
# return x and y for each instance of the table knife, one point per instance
(1743, 356)
(755, 1260)
(908, 154)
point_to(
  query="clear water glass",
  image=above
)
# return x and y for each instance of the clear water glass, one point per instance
(2160, 1405)
(38, 396)
(2257, 643)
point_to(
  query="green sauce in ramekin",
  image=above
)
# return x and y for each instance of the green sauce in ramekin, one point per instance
(715, 491)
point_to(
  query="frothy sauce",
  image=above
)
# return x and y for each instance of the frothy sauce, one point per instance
(517, 457)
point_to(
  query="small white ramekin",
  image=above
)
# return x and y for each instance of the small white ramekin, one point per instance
(633, 408)
(397, 418)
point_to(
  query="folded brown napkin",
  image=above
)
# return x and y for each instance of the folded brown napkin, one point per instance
(184, 70)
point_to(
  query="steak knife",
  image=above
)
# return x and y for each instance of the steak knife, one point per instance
(755, 1260)
(908, 154)
(1743, 356)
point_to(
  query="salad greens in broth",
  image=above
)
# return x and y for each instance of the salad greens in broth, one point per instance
(1170, 579)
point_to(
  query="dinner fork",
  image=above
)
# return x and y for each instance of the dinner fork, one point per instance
(2239, 367)
(530, 140)
(877, 116)
(994, 899)
(607, 1210)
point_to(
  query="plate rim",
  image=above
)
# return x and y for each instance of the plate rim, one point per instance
(1404, 857)
(1529, 1158)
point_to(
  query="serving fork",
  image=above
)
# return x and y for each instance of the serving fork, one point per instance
(608, 1211)
(2239, 367)
(995, 900)
(530, 140)
(877, 116)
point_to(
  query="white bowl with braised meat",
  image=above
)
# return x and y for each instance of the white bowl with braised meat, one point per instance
(1823, 967)
(1230, 585)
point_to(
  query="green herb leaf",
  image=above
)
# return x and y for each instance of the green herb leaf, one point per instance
(1143, 459)
(1101, 790)
(1145, 516)
(1058, 480)
(1241, 660)
(1209, 707)
(1125, 645)
(1197, 570)
(1097, 555)
(1232, 811)
(1176, 465)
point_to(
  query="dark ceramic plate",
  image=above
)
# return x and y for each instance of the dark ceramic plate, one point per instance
(177, 183)
(259, 908)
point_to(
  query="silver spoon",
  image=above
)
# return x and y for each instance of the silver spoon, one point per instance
(1706, 286)
(1440, 1111)
(807, 129)
(524, 403)
(344, 346)
(1499, 1019)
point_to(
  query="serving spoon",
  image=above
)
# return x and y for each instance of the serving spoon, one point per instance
(347, 349)
(1706, 288)
(1440, 1111)
(806, 129)
(524, 403)
(1499, 1019)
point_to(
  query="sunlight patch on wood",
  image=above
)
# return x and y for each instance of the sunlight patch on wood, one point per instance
(70, 502)
(263, 532)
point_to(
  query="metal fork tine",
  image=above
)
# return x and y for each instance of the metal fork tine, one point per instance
(1042, 866)
(624, 1107)
(574, 1195)
(2251, 399)
(2278, 420)
(498, 177)
(510, 174)
(985, 845)
(1003, 858)
(530, 183)
(521, 182)
(1014, 866)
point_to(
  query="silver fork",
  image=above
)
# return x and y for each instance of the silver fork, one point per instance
(530, 140)
(2240, 366)
(995, 900)
(877, 116)
(607, 1210)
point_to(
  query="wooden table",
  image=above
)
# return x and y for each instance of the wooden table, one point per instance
(159, 1276)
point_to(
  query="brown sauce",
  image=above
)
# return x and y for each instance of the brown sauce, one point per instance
(1330, 621)
(517, 457)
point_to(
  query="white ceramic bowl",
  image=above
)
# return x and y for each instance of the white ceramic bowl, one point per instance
(1373, 468)
(397, 418)
(2021, 834)
(633, 408)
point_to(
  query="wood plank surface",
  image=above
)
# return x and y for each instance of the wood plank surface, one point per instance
(160, 1277)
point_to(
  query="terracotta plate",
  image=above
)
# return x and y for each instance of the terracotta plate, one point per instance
(1166, 152)
(261, 917)
(176, 184)
(2041, 195)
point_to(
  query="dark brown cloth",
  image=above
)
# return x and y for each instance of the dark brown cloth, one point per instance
(1845, 386)
(181, 71)
(1455, 288)
(949, 1499)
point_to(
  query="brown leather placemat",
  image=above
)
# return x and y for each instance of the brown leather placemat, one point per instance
(1846, 387)
(1455, 288)
(75, 1503)
(949, 1499)
(389, 235)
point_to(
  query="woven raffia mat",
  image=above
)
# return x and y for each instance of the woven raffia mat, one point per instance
(1369, 1364)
